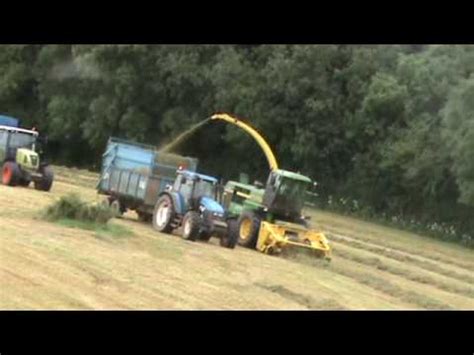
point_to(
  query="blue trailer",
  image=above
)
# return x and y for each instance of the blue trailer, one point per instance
(134, 174)
(164, 188)
(9, 121)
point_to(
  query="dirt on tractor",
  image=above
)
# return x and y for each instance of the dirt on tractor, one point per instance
(49, 265)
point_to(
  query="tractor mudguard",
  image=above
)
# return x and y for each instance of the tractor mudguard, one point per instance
(178, 202)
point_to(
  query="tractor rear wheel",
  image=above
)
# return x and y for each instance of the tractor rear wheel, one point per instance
(11, 174)
(191, 225)
(46, 181)
(248, 226)
(164, 214)
(229, 240)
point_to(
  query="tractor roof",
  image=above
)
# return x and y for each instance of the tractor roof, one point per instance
(292, 175)
(21, 130)
(193, 175)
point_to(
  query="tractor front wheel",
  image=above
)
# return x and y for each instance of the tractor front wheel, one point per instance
(249, 226)
(191, 225)
(230, 239)
(46, 181)
(11, 174)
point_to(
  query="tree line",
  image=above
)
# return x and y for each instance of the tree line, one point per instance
(385, 130)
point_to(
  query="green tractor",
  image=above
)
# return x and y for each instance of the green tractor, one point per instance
(19, 157)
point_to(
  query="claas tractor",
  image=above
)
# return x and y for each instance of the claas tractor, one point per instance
(191, 203)
(270, 218)
(19, 157)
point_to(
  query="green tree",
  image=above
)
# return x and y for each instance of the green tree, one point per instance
(18, 94)
(458, 133)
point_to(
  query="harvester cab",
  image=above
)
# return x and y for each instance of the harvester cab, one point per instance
(191, 202)
(284, 195)
(19, 157)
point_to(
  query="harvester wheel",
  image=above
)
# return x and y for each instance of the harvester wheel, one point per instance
(163, 214)
(249, 226)
(191, 225)
(229, 239)
(46, 181)
(11, 174)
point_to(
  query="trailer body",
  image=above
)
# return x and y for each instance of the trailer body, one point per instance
(135, 174)
(9, 121)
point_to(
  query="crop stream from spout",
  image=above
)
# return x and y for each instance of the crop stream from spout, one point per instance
(175, 143)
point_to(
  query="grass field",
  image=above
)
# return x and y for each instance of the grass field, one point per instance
(46, 265)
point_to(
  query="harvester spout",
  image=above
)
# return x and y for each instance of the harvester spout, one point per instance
(250, 130)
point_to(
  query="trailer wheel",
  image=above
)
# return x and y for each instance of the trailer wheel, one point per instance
(105, 202)
(46, 181)
(191, 225)
(249, 226)
(11, 174)
(163, 214)
(117, 207)
(230, 239)
(114, 205)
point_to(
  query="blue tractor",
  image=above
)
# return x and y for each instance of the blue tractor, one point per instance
(191, 203)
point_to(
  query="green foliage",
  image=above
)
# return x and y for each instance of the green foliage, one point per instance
(71, 207)
(459, 137)
(389, 126)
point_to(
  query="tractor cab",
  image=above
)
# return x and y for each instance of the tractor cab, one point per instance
(20, 156)
(285, 192)
(192, 202)
(197, 189)
(17, 144)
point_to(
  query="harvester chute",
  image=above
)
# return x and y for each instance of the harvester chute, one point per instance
(254, 133)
